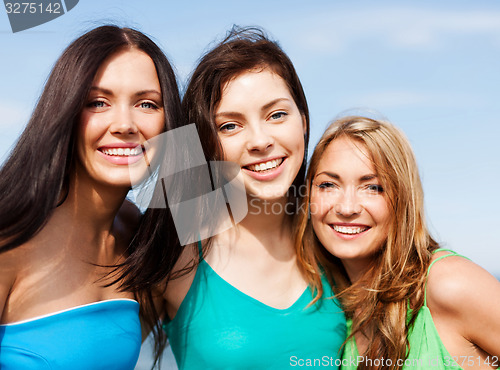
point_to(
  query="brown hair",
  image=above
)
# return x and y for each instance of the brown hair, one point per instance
(31, 184)
(243, 49)
(397, 275)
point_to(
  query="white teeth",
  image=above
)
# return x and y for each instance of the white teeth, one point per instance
(123, 152)
(264, 166)
(349, 229)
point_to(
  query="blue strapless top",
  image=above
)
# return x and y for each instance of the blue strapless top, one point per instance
(100, 335)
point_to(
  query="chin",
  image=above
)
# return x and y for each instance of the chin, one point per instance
(270, 196)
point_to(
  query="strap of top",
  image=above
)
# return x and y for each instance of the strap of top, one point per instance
(452, 253)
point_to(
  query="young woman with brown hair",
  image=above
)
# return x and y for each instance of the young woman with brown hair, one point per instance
(246, 302)
(409, 303)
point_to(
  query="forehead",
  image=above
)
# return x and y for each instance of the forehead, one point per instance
(346, 156)
(259, 83)
(128, 64)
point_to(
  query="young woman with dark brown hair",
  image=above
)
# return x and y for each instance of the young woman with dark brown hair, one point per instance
(246, 303)
(61, 189)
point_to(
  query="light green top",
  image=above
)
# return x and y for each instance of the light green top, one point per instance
(427, 351)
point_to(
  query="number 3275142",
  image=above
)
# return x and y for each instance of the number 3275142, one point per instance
(32, 8)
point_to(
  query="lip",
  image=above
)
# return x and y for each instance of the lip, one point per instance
(265, 160)
(120, 145)
(349, 224)
(121, 160)
(268, 175)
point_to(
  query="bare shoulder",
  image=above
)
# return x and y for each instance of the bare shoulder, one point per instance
(454, 280)
(9, 265)
(463, 293)
(182, 277)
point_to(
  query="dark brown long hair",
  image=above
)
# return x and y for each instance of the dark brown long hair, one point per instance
(242, 50)
(35, 177)
(156, 246)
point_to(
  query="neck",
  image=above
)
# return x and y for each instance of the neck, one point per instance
(267, 226)
(266, 216)
(356, 270)
(91, 208)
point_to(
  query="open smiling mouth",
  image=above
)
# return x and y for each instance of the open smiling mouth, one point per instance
(265, 166)
(349, 230)
(122, 152)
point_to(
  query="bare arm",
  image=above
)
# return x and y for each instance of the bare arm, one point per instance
(466, 298)
(178, 288)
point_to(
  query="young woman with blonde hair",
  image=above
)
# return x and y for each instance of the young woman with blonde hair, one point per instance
(409, 303)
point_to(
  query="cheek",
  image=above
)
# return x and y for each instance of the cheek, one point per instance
(297, 136)
(81, 136)
(152, 128)
(231, 149)
(160, 127)
(91, 127)
(319, 209)
(381, 213)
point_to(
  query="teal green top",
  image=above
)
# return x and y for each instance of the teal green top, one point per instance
(427, 351)
(219, 327)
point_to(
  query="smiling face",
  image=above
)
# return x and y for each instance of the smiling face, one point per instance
(349, 210)
(261, 129)
(123, 110)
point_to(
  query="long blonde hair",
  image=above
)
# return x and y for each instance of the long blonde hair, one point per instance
(396, 278)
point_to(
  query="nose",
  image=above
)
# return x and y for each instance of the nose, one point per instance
(259, 138)
(348, 204)
(123, 122)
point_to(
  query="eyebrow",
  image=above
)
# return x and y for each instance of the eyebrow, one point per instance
(264, 108)
(102, 90)
(273, 102)
(229, 114)
(146, 92)
(329, 174)
(368, 177)
(335, 176)
(139, 93)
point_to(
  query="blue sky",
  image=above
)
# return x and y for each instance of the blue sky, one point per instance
(432, 68)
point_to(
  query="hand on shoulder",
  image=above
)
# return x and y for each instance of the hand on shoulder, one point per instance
(462, 292)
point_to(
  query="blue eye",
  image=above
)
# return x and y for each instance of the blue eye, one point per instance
(278, 115)
(96, 104)
(375, 188)
(148, 105)
(227, 127)
(326, 185)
